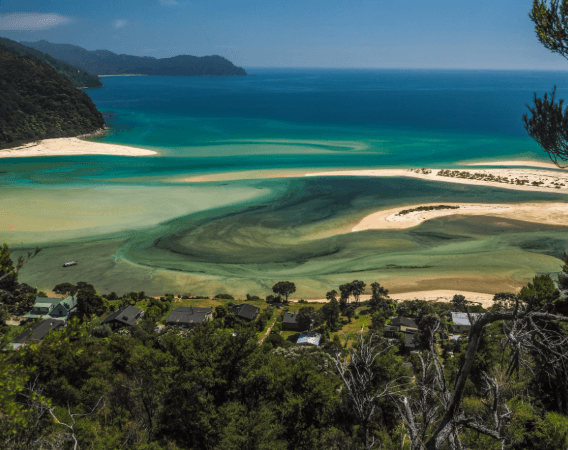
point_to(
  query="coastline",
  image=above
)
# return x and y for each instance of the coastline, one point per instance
(514, 163)
(434, 295)
(391, 219)
(72, 146)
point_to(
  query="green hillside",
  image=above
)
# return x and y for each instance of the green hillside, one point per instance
(37, 103)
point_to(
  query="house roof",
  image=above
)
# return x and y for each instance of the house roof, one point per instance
(309, 338)
(49, 303)
(126, 315)
(245, 311)
(401, 321)
(38, 331)
(411, 340)
(290, 318)
(462, 319)
(189, 315)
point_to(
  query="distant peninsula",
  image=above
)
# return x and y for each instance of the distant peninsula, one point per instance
(36, 102)
(78, 76)
(105, 62)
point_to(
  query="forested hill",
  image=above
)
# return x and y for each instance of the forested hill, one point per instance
(79, 77)
(104, 62)
(37, 103)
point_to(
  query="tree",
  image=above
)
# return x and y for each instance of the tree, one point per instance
(9, 272)
(65, 289)
(221, 311)
(357, 288)
(89, 303)
(308, 317)
(284, 288)
(330, 313)
(541, 291)
(349, 312)
(345, 290)
(548, 124)
(380, 298)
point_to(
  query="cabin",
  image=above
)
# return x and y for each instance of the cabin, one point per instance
(290, 322)
(124, 317)
(245, 311)
(404, 324)
(36, 332)
(189, 316)
(409, 329)
(461, 321)
(309, 338)
(47, 307)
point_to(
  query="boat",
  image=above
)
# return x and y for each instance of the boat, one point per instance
(70, 263)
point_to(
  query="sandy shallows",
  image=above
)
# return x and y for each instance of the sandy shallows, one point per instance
(413, 215)
(72, 146)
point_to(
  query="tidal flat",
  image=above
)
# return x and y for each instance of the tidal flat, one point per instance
(300, 228)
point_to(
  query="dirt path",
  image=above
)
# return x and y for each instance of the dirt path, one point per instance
(265, 335)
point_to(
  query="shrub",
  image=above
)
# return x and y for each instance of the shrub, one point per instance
(101, 331)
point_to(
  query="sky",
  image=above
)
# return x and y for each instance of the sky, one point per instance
(428, 34)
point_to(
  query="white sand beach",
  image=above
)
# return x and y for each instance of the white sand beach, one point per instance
(512, 163)
(72, 146)
(548, 213)
(517, 179)
(438, 295)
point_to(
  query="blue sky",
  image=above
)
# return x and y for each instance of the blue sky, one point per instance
(480, 34)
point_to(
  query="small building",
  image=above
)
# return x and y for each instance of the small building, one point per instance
(37, 332)
(461, 321)
(127, 316)
(309, 338)
(404, 324)
(189, 316)
(245, 311)
(290, 322)
(47, 307)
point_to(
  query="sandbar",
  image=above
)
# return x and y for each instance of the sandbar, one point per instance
(537, 180)
(512, 163)
(548, 213)
(72, 146)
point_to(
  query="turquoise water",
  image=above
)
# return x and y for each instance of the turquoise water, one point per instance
(136, 225)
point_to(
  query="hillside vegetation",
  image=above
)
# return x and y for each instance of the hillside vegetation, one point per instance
(79, 77)
(38, 103)
(104, 62)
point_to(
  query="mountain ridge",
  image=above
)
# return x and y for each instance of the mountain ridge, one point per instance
(105, 62)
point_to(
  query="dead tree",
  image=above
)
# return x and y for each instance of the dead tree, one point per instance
(528, 331)
(359, 376)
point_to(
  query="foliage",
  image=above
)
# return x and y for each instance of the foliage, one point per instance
(284, 288)
(38, 103)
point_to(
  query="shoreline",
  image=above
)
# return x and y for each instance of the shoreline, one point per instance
(434, 295)
(514, 163)
(546, 213)
(72, 146)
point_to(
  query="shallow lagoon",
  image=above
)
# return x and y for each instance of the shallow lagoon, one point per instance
(132, 226)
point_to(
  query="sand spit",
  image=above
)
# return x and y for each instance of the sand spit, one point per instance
(513, 163)
(72, 146)
(413, 215)
(517, 179)
(438, 295)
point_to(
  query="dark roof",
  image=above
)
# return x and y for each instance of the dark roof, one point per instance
(245, 311)
(126, 315)
(189, 315)
(401, 321)
(411, 340)
(290, 318)
(391, 328)
(38, 330)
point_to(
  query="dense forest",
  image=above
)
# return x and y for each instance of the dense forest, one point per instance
(38, 103)
(104, 62)
(79, 77)
(232, 384)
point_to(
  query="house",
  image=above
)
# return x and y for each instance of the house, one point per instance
(309, 338)
(290, 322)
(47, 307)
(189, 316)
(37, 332)
(245, 311)
(127, 316)
(404, 324)
(461, 321)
